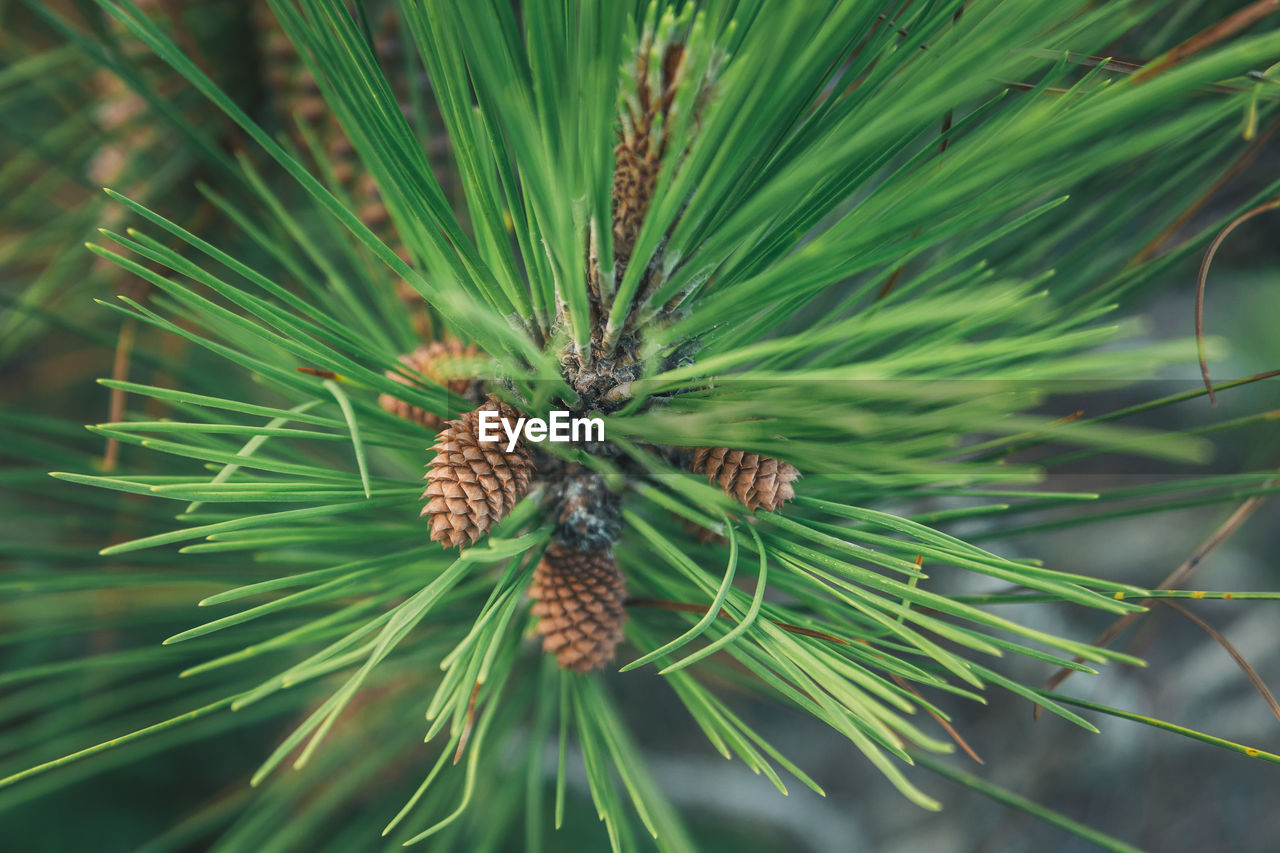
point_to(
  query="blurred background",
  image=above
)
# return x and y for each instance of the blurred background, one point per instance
(1153, 788)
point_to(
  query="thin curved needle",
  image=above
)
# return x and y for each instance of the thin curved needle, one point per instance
(1203, 277)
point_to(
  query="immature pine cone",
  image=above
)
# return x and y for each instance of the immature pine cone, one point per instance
(641, 145)
(439, 362)
(755, 480)
(578, 599)
(472, 485)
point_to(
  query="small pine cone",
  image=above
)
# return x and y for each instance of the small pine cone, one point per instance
(633, 183)
(471, 486)
(578, 599)
(641, 144)
(441, 363)
(755, 480)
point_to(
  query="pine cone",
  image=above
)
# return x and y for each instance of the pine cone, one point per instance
(579, 599)
(439, 362)
(755, 480)
(471, 486)
(633, 182)
(642, 144)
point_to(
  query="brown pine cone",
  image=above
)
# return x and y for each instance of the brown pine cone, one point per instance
(633, 183)
(755, 480)
(578, 599)
(441, 363)
(471, 486)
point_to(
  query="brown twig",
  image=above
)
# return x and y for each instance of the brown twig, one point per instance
(880, 19)
(947, 120)
(119, 372)
(318, 372)
(902, 682)
(1241, 163)
(946, 129)
(1175, 579)
(892, 281)
(686, 607)
(946, 726)
(1240, 20)
(1249, 671)
(1119, 66)
(470, 724)
(1203, 277)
